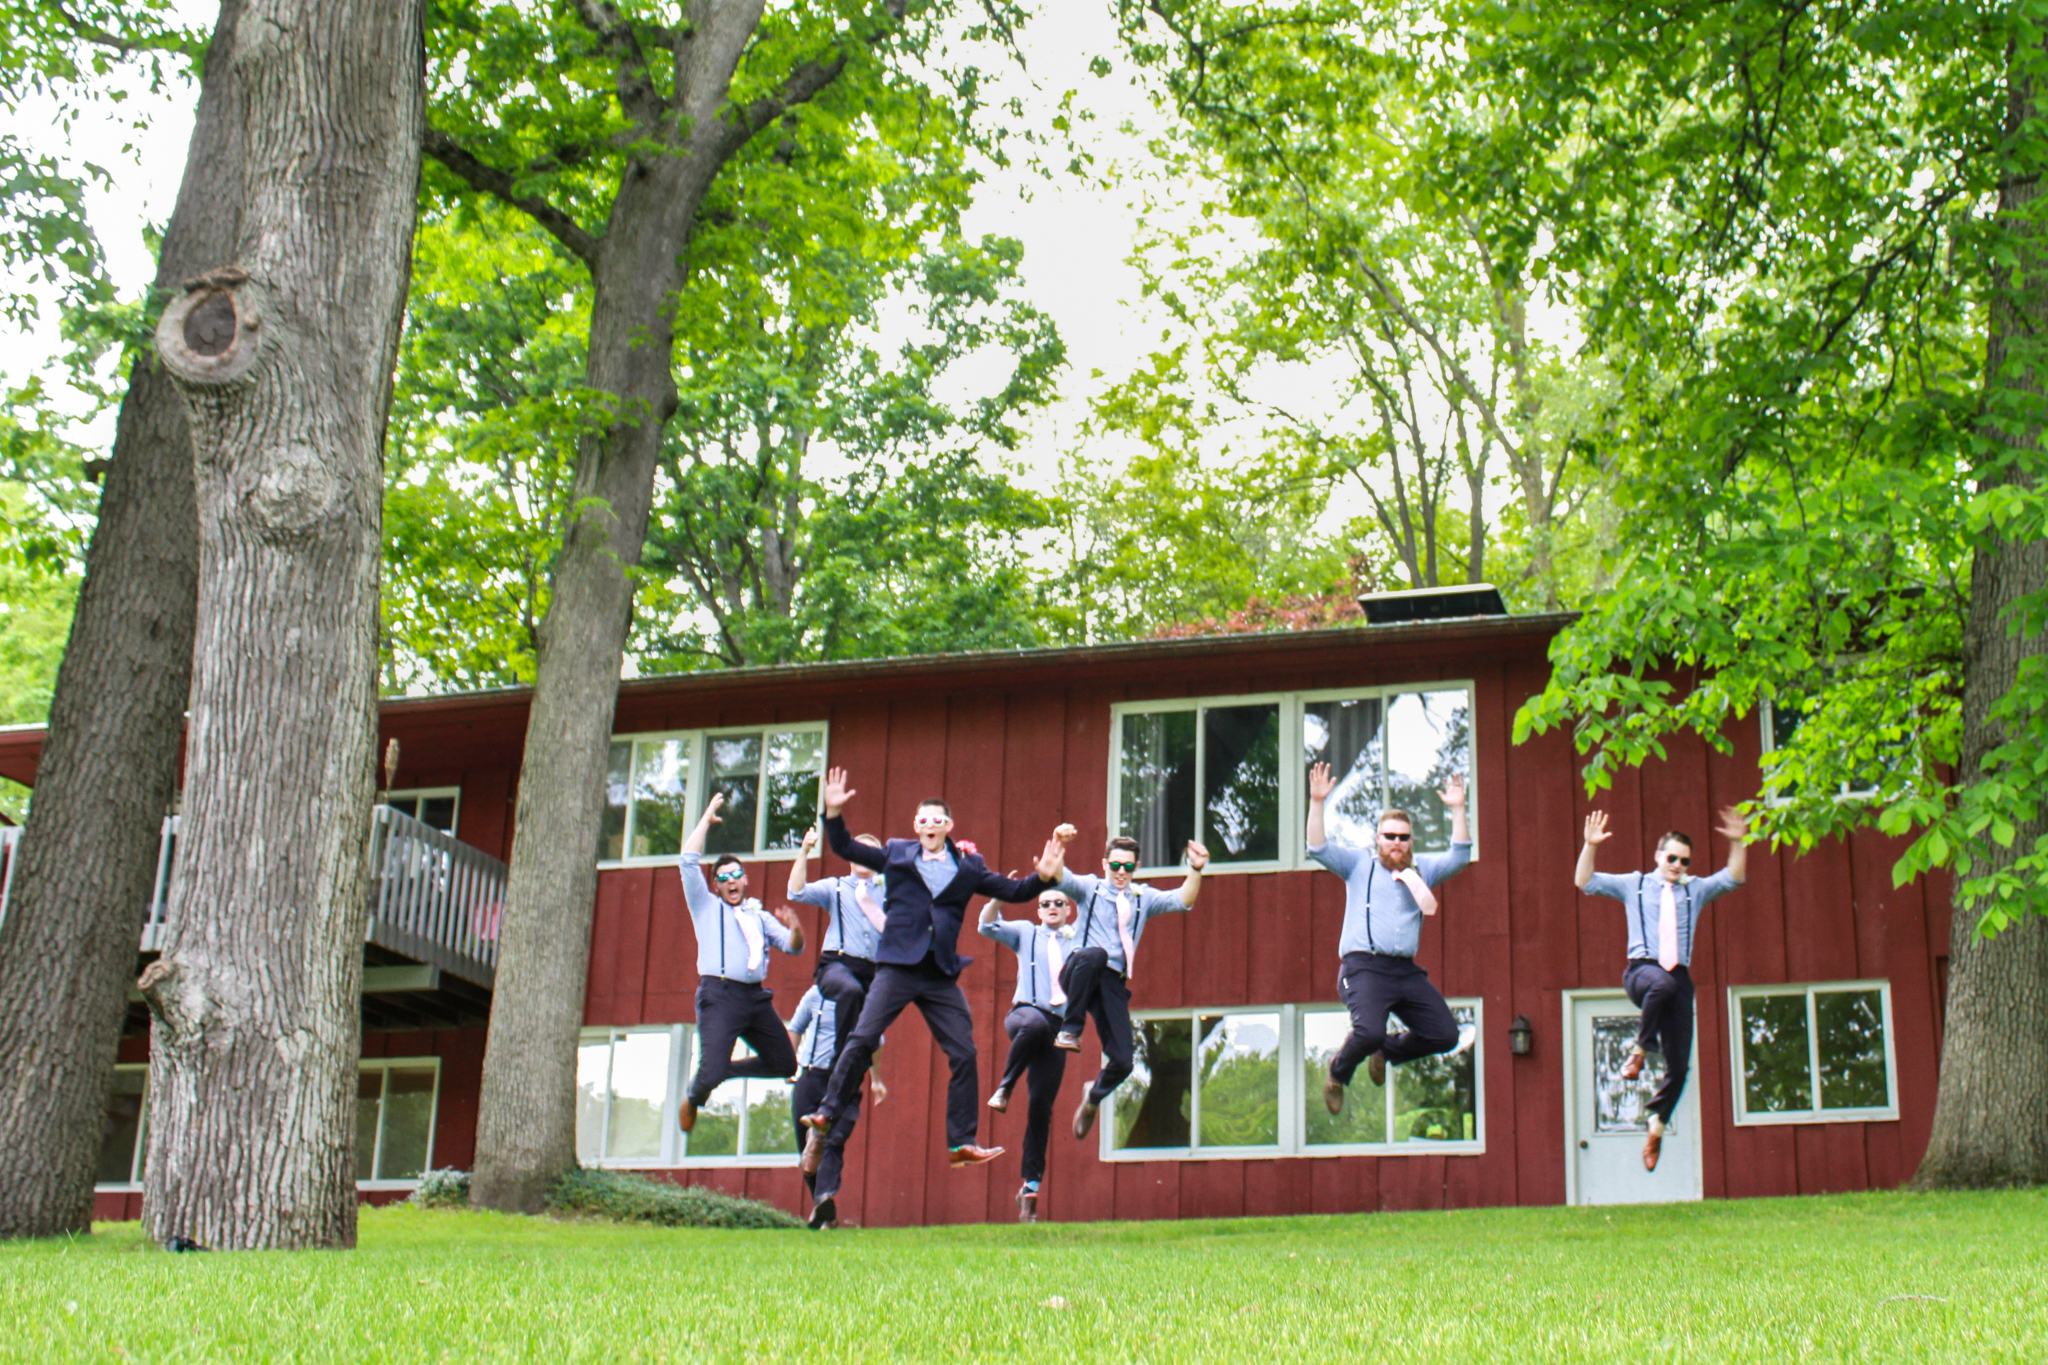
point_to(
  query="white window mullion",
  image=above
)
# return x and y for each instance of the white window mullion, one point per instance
(1201, 822)
(761, 796)
(1813, 1048)
(1195, 1082)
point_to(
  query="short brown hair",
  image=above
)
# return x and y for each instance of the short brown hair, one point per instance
(1127, 844)
(1395, 814)
(1675, 834)
(935, 801)
(725, 858)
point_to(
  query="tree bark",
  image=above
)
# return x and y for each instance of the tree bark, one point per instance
(1988, 1125)
(526, 1125)
(109, 767)
(284, 358)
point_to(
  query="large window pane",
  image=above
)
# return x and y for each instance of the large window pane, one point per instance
(661, 780)
(369, 1101)
(1157, 780)
(769, 1123)
(1240, 1080)
(1852, 1072)
(1153, 1106)
(1429, 737)
(1365, 1109)
(1347, 736)
(408, 1123)
(1775, 1062)
(796, 759)
(639, 1090)
(593, 1090)
(618, 783)
(1241, 779)
(122, 1132)
(735, 764)
(717, 1131)
(1436, 1099)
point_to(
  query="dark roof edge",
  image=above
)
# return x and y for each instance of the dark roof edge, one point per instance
(978, 661)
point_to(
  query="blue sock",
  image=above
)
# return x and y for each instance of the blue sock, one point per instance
(1031, 1186)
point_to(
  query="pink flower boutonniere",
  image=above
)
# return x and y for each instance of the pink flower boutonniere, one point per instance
(967, 846)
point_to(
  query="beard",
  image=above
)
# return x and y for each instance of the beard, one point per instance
(1400, 860)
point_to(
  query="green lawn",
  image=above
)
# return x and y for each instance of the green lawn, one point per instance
(1882, 1277)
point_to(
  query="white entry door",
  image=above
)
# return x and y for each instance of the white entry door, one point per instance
(1607, 1118)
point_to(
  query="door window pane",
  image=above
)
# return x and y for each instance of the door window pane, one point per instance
(593, 1091)
(796, 759)
(369, 1102)
(735, 762)
(661, 779)
(1240, 1080)
(1347, 736)
(1436, 1099)
(1775, 1061)
(408, 1123)
(618, 779)
(1154, 1105)
(1619, 1106)
(1365, 1111)
(639, 1091)
(1157, 779)
(121, 1135)
(1241, 781)
(1429, 737)
(1852, 1068)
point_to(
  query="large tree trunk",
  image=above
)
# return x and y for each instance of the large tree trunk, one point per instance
(1989, 1124)
(286, 375)
(526, 1124)
(109, 767)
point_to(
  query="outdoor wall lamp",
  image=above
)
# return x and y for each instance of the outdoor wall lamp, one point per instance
(1521, 1037)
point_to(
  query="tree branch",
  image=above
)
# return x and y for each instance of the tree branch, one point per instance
(127, 47)
(803, 84)
(639, 99)
(501, 185)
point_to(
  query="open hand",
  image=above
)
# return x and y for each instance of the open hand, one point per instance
(1453, 793)
(1320, 783)
(1596, 828)
(1198, 857)
(1053, 860)
(836, 793)
(1734, 826)
(786, 915)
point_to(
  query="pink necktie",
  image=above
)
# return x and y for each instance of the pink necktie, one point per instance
(1667, 930)
(865, 899)
(1425, 899)
(757, 942)
(1123, 933)
(1054, 960)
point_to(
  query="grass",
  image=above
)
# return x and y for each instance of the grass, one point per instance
(1862, 1277)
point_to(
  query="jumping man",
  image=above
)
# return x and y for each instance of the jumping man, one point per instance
(733, 937)
(1111, 912)
(1386, 894)
(853, 927)
(814, 1032)
(1663, 908)
(926, 884)
(1033, 1019)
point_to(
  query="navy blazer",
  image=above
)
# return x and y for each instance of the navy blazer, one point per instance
(909, 908)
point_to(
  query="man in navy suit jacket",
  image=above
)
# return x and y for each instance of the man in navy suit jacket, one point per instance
(926, 883)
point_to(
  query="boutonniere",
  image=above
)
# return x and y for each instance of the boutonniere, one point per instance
(1067, 930)
(967, 846)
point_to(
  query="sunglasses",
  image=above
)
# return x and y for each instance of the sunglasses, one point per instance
(1120, 866)
(929, 821)
(732, 876)
(1395, 838)
(1052, 905)
(1674, 858)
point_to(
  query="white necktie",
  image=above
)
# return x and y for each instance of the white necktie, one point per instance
(757, 942)
(1425, 899)
(1054, 960)
(1123, 933)
(865, 899)
(1667, 930)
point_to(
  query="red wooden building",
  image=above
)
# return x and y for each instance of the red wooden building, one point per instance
(1820, 984)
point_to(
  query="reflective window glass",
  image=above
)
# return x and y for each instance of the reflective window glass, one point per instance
(1348, 736)
(593, 1092)
(1239, 1080)
(796, 765)
(735, 772)
(661, 779)
(1776, 1065)
(1429, 738)
(639, 1092)
(1241, 783)
(770, 1126)
(1852, 1052)
(408, 1123)
(1365, 1111)
(618, 779)
(1156, 774)
(1154, 1107)
(1436, 1099)
(369, 1108)
(121, 1134)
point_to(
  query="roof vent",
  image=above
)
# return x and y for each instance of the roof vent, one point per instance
(1432, 604)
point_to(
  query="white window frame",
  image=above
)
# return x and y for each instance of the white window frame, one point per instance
(1293, 814)
(1293, 1128)
(693, 791)
(1766, 717)
(674, 1142)
(388, 1065)
(1740, 1090)
(423, 793)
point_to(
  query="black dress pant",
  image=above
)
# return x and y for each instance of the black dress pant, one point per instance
(1666, 1000)
(937, 997)
(1374, 985)
(1096, 989)
(729, 1010)
(1033, 1056)
(805, 1097)
(844, 981)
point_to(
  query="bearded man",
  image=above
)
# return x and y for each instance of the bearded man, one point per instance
(1386, 894)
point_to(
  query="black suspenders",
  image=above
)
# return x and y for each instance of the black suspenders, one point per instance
(1370, 868)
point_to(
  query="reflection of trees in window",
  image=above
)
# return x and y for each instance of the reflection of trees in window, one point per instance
(1619, 1106)
(1431, 1099)
(1364, 1119)
(1775, 1060)
(796, 762)
(1389, 751)
(1349, 736)
(1814, 1050)
(1429, 737)
(1157, 774)
(121, 1142)
(735, 772)
(769, 779)
(1153, 1107)
(1851, 1038)
(1239, 1098)
(1241, 778)
(1436, 1099)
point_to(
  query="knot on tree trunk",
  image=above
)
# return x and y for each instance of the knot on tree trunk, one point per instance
(208, 338)
(179, 1006)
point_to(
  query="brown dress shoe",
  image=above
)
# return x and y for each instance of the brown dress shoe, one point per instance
(1653, 1147)
(1000, 1101)
(686, 1116)
(1633, 1067)
(1333, 1095)
(1084, 1117)
(971, 1155)
(1067, 1042)
(1027, 1206)
(814, 1144)
(1376, 1067)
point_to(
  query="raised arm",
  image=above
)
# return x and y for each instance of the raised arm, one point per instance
(1736, 829)
(1596, 835)
(1320, 785)
(1453, 797)
(799, 866)
(1051, 863)
(1198, 858)
(693, 842)
(836, 795)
